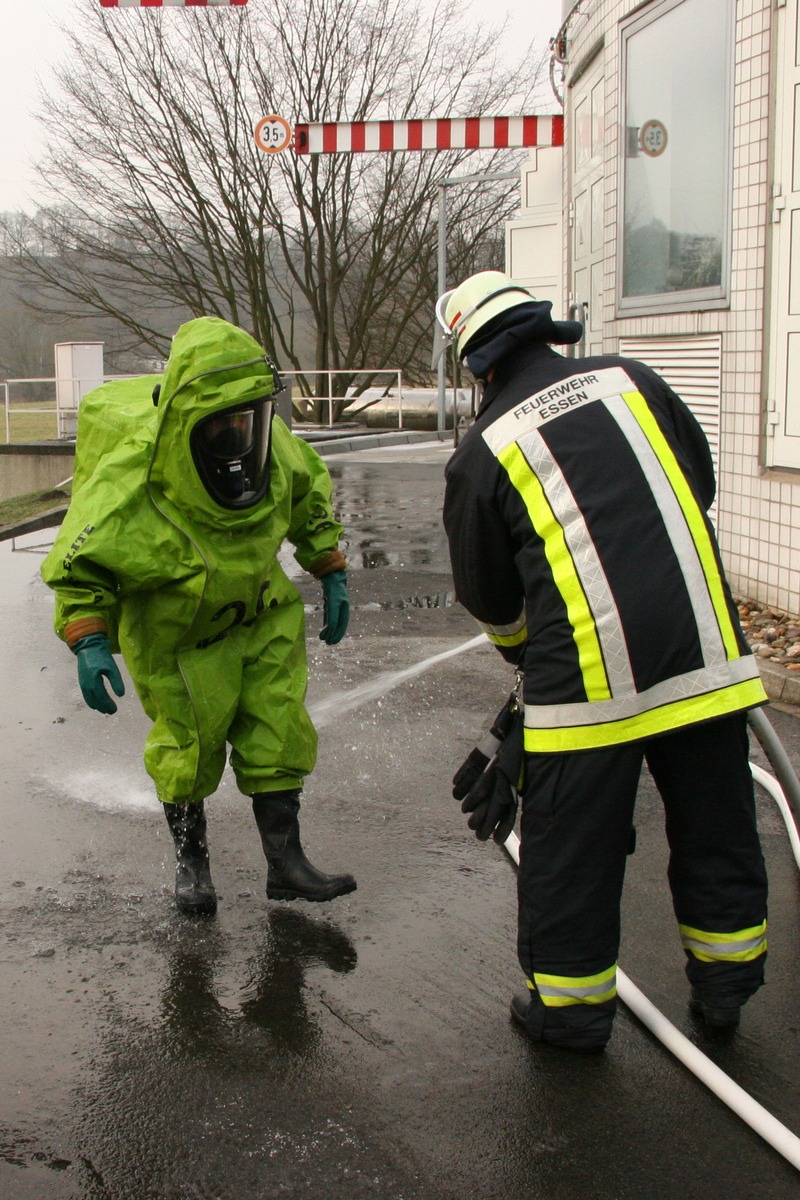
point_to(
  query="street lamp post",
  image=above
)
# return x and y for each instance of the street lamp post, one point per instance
(442, 269)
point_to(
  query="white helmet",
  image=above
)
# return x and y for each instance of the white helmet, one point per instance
(465, 310)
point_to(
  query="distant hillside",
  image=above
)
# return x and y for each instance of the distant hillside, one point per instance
(27, 337)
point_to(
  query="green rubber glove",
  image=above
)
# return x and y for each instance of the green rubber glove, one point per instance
(94, 662)
(336, 607)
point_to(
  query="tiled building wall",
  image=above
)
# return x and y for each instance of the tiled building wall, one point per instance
(758, 510)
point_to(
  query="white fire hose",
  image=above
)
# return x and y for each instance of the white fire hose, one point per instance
(737, 1099)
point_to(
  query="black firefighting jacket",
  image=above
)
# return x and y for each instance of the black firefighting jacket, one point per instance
(576, 513)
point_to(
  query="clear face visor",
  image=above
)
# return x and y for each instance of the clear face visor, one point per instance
(443, 334)
(228, 436)
(231, 451)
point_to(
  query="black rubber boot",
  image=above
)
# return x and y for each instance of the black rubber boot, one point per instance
(718, 1012)
(194, 891)
(290, 876)
(587, 1034)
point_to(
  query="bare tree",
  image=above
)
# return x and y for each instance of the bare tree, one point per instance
(26, 352)
(164, 205)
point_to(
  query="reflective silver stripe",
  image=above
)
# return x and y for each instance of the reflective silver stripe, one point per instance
(595, 989)
(529, 414)
(505, 630)
(722, 949)
(680, 687)
(587, 564)
(708, 631)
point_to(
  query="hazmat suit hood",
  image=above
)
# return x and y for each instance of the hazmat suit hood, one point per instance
(214, 368)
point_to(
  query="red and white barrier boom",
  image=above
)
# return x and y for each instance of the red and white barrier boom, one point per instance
(167, 3)
(447, 133)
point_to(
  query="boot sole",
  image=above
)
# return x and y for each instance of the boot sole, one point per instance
(278, 893)
(197, 908)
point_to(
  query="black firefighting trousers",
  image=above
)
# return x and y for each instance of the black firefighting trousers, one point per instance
(577, 813)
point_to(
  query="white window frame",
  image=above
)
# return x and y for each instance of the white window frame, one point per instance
(718, 296)
(781, 442)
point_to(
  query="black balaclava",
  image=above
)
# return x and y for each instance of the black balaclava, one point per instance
(521, 325)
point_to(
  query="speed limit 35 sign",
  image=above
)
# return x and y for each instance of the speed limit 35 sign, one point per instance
(273, 134)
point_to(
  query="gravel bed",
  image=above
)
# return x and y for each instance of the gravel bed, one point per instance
(772, 635)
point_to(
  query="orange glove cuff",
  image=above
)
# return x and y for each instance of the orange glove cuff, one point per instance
(75, 630)
(335, 561)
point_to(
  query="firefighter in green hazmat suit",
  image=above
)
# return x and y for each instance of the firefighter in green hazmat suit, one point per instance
(185, 488)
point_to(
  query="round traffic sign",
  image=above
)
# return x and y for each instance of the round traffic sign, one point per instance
(653, 138)
(273, 134)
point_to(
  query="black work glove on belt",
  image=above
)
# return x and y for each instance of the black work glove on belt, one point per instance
(492, 801)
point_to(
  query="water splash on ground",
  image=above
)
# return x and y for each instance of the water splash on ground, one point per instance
(108, 790)
(336, 705)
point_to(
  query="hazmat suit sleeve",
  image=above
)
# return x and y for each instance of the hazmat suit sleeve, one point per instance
(86, 606)
(85, 589)
(313, 529)
(101, 551)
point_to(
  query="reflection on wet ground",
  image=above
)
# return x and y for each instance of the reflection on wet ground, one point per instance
(392, 516)
(204, 1066)
(273, 994)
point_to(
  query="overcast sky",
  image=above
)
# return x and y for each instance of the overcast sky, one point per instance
(30, 42)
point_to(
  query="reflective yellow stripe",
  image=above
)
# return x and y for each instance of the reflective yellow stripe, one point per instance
(647, 724)
(557, 991)
(507, 639)
(565, 577)
(694, 517)
(743, 945)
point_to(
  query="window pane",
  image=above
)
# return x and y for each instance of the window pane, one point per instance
(676, 156)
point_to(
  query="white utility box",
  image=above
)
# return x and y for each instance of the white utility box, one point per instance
(79, 369)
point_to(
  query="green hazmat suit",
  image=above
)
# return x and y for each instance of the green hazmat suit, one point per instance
(190, 591)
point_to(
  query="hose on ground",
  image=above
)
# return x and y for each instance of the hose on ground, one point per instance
(785, 790)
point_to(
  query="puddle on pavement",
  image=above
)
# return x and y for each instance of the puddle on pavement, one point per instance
(392, 515)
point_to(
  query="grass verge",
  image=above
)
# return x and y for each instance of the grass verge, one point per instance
(20, 508)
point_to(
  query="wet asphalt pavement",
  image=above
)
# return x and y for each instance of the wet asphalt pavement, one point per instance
(363, 1047)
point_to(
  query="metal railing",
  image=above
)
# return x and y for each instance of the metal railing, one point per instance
(304, 403)
(65, 415)
(26, 409)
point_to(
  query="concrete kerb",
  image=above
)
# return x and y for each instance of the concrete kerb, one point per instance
(42, 520)
(373, 441)
(782, 686)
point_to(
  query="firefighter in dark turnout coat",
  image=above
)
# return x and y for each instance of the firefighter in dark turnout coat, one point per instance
(575, 510)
